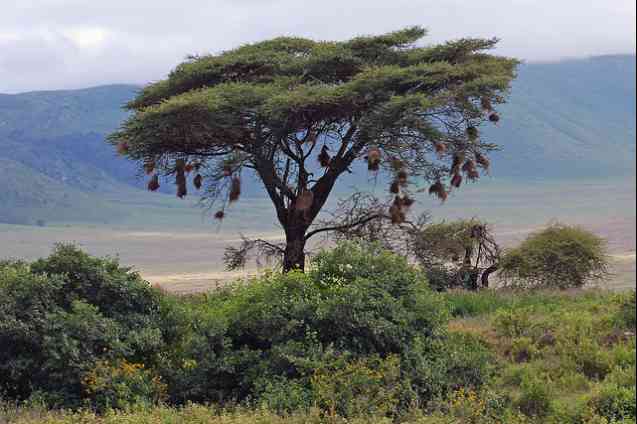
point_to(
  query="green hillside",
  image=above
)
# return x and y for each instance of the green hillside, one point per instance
(569, 119)
(572, 118)
(30, 197)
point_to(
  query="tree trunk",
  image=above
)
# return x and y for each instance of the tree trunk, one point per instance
(485, 275)
(294, 256)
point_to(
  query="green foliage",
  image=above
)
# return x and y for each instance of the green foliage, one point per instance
(263, 342)
(615, 403)
(266, 106)
(556, 257)
(626, 318)
(330, 346)
(365, 387)
(61, 315)
(122, 385)
(535, 398)
(455, 253)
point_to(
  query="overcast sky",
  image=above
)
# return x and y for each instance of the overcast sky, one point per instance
(55, 44)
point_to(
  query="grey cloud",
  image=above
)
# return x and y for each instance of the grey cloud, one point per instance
(146, 38)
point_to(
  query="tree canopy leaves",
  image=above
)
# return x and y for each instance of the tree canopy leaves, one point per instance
(268, 105)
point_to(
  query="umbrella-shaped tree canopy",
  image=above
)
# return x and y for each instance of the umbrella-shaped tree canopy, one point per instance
(300, 112)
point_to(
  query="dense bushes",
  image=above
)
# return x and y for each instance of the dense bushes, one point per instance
(279, 339)
(556, 257)
(358, 338)
(77, 329)
(61, 315)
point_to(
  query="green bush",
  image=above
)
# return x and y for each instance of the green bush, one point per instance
(535, 398)
(122, 385)
(556, 257)
(626, 316)
(362, 387)
(59, 316)
(263, 342)
(615, 403)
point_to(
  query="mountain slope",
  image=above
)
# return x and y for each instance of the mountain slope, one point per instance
(61, 134)
(566, 119)
(572, 118)
(29, 197)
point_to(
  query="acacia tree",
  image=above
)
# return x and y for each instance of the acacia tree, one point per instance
(300, 113)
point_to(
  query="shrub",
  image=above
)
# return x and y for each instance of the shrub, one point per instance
(263, 342)
(362, 387)
(535, 398)
(469, 362)
(591, 360)
(283, 396)
(513, 323)
(626, 316)
(615, 403)
(454, 253)
(556, 257)
(122, 385)
(471, 407)
(59, 316)
(523, 349)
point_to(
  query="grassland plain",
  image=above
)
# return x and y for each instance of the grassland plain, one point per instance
(177, 245)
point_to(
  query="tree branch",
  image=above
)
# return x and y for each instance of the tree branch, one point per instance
(361, 221)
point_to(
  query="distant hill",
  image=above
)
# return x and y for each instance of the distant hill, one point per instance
(572, 118)
(565, 119)
(61, 134)
(29, 197)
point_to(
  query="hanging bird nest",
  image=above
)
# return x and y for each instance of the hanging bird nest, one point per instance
(235, 189)
(472, 133)
(149, 166)
(304, 200)
(402, 178)
(311, 137)
(494, 117)
(373, 159)
(441, 148)
(153, 184)
(456, 181)
(407, 202)
(197, 181)
(469, 166)
(324, 157)
(180, 181)
(122, 148)
(227, 170)
(457, 163)
(189, 167)
(394, 187)
(473, 174)
(219, 215)
(485, 102)
(438, 189)
(483, 161)
(396, 214)
(396, 164)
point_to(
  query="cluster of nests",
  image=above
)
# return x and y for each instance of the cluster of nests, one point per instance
(235, 189)
(182, 170)
(460, 165)
(402, 202)
(487, 106)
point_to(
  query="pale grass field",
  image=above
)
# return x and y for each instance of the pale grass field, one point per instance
(181, 249)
